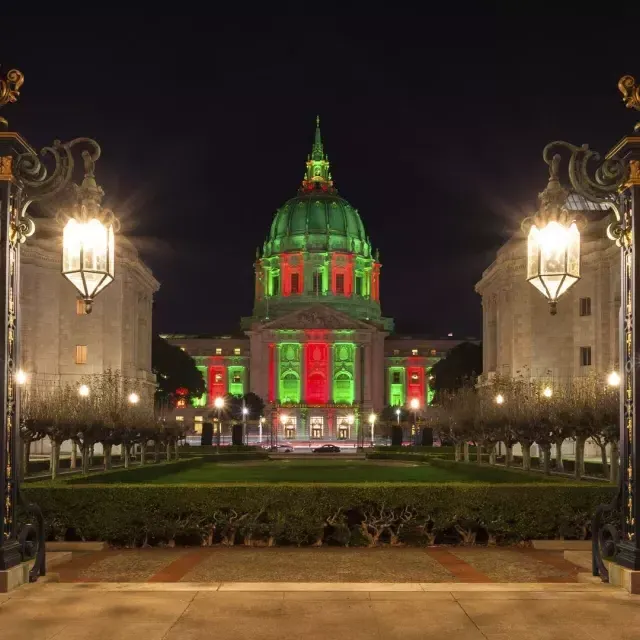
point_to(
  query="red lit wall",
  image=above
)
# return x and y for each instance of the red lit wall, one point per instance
(375, 282)
(217, 389)
(316, 384)
(342, 263)
(415, 387)
(272, 373)
(291, 263)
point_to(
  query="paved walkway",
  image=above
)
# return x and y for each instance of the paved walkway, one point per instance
(276, 611)
(328, 564)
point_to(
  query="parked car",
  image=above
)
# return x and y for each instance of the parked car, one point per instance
(327, 448)
(280, 448)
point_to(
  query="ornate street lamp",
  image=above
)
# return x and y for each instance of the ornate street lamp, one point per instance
(613, 183)
(553, 242)
(88, 243)
(24, 179)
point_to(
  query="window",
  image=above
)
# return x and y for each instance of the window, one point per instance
(358, 285)
(317, 281)
(182, 349)
(218, 378)
(585, 306)
(295, 283)
(218, 351)
(198, 418)
(81, 354)
(414, 352)
(81, 308)
(237, 378)
(585, 356)
(340, 283)
(179, 418)
(433, 352)
(275, 285)
(396, 352)
(415, 377)
(236, 351)
(396, 377)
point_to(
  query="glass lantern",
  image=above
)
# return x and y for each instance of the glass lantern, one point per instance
(553, 258)
(88, 256)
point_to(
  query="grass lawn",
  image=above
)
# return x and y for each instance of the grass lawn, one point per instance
(323, 471)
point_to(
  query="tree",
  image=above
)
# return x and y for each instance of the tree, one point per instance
(462, 364)
(174, 370)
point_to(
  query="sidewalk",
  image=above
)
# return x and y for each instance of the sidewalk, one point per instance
(276, 611)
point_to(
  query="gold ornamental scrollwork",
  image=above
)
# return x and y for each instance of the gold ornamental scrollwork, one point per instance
(10, 89)
(630, 94)
(6, 167)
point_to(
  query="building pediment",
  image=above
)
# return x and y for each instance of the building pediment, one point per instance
(317, 316)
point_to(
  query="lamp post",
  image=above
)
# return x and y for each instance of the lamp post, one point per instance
(245, 435)
(284, 418)
(372, 422)
(553, 265)
(87, 261)
(218, 403)
(415, 406)
(260, 425)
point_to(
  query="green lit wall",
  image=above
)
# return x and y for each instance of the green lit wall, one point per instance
(289, 370)
(202, 400)
(235, 377)
(344, 372)
(431, 392)
(397, 391)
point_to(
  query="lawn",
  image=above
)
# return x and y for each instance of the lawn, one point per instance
(321, 471)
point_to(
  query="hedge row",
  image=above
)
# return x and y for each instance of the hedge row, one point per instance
(42, 465)
(315, 514)
(231, 448)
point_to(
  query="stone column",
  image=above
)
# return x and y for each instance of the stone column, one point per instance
(367, 375)
(357, 378)
(331, 356)
(303, 372)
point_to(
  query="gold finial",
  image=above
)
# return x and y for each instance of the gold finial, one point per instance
(10, 89)
(630, 94)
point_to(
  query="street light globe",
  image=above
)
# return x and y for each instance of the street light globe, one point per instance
(88, 256)
(415, 404)
(83, 390)
(547, 392)
(398, 412)
(613, 379)
(218, 403)
(372, 417)
(21, 377)
(284, 418)
(245, 411)
(499, 399)
(350, 419)
(134, 398)
(262, 420)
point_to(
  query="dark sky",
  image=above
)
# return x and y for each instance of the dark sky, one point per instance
(434, 127)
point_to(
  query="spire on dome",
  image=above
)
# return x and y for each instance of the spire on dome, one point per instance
(317, 152)
(317, 175)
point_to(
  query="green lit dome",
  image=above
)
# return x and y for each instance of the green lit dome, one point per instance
(317, 219)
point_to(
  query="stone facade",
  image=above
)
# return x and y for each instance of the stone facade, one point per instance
(60, 343)
(520, 337)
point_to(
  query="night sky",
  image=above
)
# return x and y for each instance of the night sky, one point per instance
(434, 127)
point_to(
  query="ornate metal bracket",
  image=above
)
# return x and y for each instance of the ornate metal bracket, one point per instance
(605, 535)
(630, 94)
(32, 539)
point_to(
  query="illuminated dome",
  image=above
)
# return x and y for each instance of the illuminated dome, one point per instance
(317, 251)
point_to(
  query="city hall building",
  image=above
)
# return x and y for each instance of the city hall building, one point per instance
(317, 348)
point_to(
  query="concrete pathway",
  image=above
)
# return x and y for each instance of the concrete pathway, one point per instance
(291, 611)
(327, 564)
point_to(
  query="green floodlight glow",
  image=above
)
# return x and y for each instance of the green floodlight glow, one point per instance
(397, 390)
(236, 377)
(344, 369)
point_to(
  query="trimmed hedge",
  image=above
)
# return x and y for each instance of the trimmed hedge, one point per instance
(42, 465)
(303, 514)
